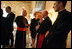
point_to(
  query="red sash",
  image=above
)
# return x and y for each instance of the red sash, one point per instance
(40, 40)
(21, 29)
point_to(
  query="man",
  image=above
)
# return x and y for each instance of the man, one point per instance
(2, 29)
(1, 15)
(42, 29)
(9, 22)
(1, 22)
(4, 32)
(57, 35)
(22, 24)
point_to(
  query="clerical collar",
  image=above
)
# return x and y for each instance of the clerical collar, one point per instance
(62, 11)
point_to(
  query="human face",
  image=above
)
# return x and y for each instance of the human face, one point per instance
(7, 10)
(24, 13)
(44, 14)
(36, 17)
(56, 6)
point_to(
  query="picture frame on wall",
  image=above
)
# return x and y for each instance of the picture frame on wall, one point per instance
(40, 5)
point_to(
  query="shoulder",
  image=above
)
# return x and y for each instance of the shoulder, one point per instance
(26, 18)
(33, 19)
(67, 13)
(18, 17)
(12, 13)
(48, 18)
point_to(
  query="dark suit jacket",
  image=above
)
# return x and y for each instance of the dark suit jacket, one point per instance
(9, 21)
(7, 28)
(45, 26)
(3, 30)
(59, 31)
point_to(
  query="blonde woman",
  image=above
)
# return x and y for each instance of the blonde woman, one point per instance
(34, 22)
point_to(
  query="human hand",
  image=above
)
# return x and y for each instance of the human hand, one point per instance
(46, 34)
(37, 27)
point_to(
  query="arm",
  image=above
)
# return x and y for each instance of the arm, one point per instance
(32, 26)
(26, 24)
(63, 27)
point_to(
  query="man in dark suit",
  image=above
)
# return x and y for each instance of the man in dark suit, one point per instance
(4, 32)
(57, 35)
(2, 29)
(42, 28)
(9, 22)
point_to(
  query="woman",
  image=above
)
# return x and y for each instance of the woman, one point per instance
(34, 23)
(22, 24)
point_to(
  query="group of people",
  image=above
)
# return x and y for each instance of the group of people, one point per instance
(48, 35)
